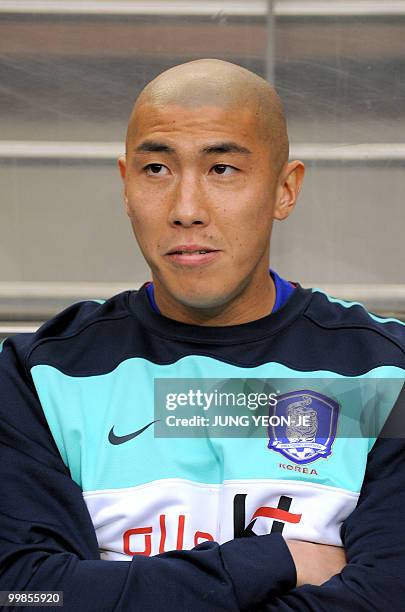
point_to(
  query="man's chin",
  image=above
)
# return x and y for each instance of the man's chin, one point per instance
(201, 294)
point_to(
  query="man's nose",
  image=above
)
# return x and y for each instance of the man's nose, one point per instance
(189, 206)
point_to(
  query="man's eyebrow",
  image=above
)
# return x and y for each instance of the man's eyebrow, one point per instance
(153, 146)
(225, 147)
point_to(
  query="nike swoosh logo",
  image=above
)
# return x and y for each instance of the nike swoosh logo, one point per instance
(113, 439)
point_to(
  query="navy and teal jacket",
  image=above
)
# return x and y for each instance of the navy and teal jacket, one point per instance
(95, 505)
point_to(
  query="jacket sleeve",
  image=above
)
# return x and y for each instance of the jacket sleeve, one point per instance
(374, 540)
(48, 542)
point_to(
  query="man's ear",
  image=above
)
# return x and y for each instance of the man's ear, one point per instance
(290, 183)
(122, 165)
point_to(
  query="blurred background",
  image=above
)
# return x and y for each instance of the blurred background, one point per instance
(69, 72)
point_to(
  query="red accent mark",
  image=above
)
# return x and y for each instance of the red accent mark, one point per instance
(276, 513)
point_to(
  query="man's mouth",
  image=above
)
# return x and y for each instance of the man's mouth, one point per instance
(201, 251)
(192, 255)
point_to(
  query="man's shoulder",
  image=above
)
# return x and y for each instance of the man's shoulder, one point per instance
(332, 313)
(69, 326)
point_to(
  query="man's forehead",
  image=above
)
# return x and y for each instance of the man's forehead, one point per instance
(230, 122)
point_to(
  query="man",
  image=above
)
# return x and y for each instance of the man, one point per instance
(97, 507)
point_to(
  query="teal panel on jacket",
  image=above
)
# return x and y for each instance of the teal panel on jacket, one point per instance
(82, 410)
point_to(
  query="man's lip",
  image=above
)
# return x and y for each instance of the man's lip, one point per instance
(187, 248)
(191, 260)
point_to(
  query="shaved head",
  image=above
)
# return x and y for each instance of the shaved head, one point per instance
(212, 82)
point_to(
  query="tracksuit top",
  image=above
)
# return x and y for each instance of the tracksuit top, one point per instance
(94, 504)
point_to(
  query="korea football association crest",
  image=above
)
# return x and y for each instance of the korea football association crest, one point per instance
(306, 427)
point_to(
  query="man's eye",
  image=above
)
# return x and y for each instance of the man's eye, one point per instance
(156, 169)
(223, 169)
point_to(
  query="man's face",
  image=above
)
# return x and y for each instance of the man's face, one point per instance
(201, 192)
